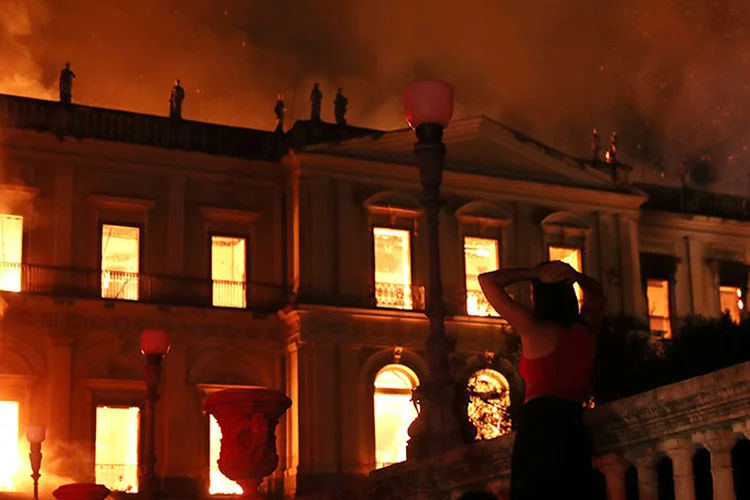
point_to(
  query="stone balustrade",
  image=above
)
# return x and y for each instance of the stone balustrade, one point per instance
(647, 443)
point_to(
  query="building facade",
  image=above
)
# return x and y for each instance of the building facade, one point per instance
(297, 261)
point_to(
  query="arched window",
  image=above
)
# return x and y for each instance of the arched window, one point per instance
(394, 412)
(489, 400)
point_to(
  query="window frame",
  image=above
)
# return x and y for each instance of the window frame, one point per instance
(229, 234)
(410, 227)
(660, 267)
(734, 274)
(25, 218)
(500, 260)
(118, 401)
(415, 381)
(143, 277)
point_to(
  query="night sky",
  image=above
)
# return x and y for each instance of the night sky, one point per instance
(670, 75)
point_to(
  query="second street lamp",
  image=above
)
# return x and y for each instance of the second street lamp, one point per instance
(154, 346)
(442, 423)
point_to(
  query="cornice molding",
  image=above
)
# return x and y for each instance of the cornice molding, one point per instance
(219, 215)
(122, 203)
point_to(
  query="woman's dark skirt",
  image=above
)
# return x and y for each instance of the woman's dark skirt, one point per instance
(552, 452)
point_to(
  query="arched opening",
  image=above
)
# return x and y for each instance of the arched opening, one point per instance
(741, 466)
(394, 412)
(489, 401)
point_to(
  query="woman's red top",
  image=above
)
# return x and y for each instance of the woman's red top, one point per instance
(565, 372)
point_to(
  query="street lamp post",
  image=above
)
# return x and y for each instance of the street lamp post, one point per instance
(154, 346)
(441, 424)
(35, 434)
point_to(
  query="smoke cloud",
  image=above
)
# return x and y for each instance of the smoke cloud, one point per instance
(671, 76)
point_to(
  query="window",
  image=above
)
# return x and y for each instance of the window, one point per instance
(393, 288)
(218, 483)
(11, 246)
(489, 400)
(9, 452)
(731, 302)
(480, 256)
(228, 266)
(394, 412)
(116, 453)
(572, 257)
(657, 299)
(121, 256)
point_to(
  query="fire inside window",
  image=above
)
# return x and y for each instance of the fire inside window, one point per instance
(657, 297)
(11, 246)
(480, 256)
(228, 271)
(10, 456)
(121, 256)
(218, 483)
(116, 453)
(489, 401)
(572, 257)
(731, 302)
(393, 287)
(394, 412)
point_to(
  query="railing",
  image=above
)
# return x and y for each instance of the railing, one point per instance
(687, 438)
(114, 125)
(118, 477)
(153, 289)
(399, 296)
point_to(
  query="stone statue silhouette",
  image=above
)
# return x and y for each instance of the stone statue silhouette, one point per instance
(316, 99)
(280, 111)
(175, 101)
(66, 84)
(340, 103)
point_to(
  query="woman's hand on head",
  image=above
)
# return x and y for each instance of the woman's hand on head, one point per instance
(556, 272)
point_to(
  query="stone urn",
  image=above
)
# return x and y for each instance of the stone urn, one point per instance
(81, 491)
(248, 420)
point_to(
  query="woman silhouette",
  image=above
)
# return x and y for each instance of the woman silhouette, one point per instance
(552, 451)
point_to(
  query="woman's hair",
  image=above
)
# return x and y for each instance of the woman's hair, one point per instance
(555, 302)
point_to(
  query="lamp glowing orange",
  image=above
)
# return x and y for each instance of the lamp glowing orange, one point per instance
(428, 101)
(154, 341)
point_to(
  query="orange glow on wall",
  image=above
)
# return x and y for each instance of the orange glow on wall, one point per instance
(228, 271)
(393, 286)
(731, 302)
(121, 256)
(218, 483)
(9, 450)
(572, 257)
(117, 442)
(394, 412)
(657, 297)
(11, 252)
(480, 256)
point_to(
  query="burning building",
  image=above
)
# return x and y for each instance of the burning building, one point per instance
(303, 271)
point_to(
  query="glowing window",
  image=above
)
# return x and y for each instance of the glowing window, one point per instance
(657, 298)
(394, 412)
(121, 257)
(116, 453)
(731, 302)
(489, 400)
(228, 266)
(218, 483)
(393, 286)
(9, 452)
(480, 256)
(11, 251)
(572, 257)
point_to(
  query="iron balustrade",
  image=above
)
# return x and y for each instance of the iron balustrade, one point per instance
(147, 288)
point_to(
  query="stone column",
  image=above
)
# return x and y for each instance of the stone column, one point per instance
(720, 443)
(630, 267)
(742, 428)
(681, 452)
(648, 481)
(614, 468)
(59, 359)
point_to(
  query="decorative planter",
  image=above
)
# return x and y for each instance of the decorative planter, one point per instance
(248, 420)
(81, 491)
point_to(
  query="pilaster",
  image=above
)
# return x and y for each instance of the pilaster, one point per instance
(176, 226)
(59, 360)
(63, 202)
(609, 268)
(634, 301)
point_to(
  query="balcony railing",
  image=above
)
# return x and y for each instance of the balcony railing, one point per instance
(153, 289)
(654, 443)
(399, 296)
